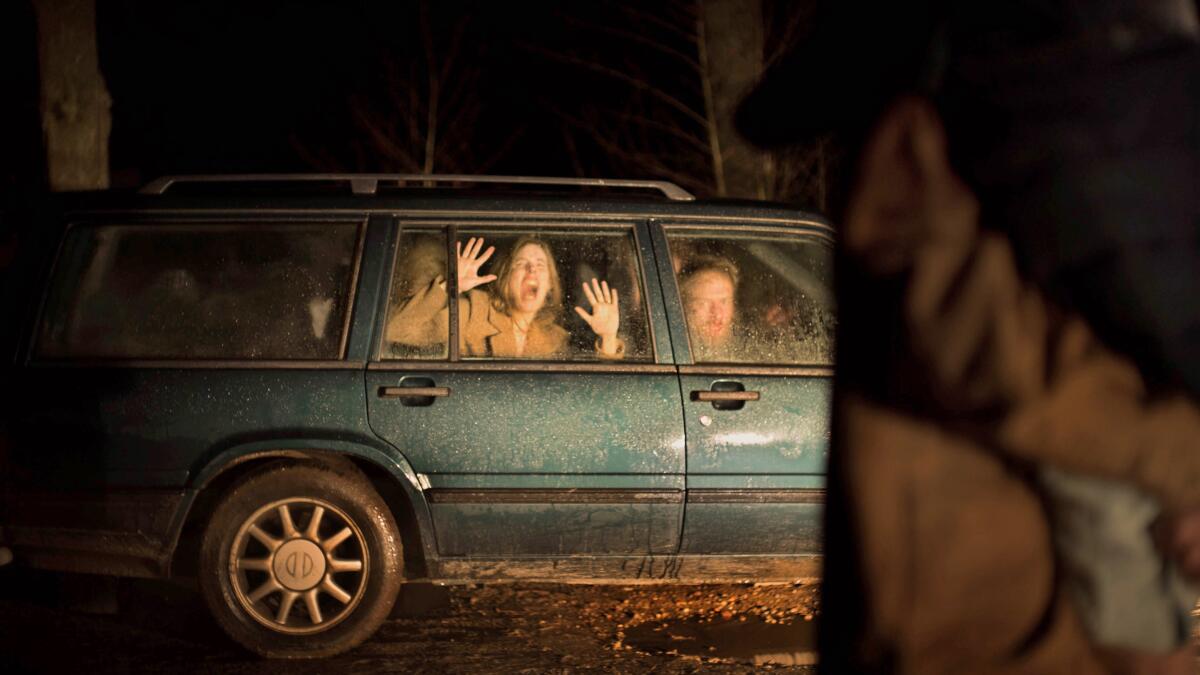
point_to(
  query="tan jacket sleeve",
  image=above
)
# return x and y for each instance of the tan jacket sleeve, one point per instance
(995, 348)
(424, 319)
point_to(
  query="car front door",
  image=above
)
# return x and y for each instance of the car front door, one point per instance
(755, 347)
(537, 453)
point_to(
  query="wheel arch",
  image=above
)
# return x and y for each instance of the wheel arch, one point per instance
(391, 476)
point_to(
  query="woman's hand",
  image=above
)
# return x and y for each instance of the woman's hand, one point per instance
(605, 316)
(469, 262)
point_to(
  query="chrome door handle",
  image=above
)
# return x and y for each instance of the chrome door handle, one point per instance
(413, 392)
(706, 395)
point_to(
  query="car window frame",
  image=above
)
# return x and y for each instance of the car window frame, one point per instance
(715, 228)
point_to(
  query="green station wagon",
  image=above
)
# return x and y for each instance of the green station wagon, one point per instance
(261, 381)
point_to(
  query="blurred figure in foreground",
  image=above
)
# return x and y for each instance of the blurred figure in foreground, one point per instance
(1019, 346)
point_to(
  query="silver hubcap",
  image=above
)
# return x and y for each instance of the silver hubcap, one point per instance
(299, 565)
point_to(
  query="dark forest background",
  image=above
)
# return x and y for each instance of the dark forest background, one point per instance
(616, 88)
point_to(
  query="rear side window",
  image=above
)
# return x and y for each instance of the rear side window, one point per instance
(201, 291)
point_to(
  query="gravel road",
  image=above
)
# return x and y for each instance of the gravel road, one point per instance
(504, 628)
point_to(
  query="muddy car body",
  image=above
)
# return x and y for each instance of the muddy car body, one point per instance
(202, 381)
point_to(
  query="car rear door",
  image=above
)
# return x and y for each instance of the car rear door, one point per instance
(529, 457)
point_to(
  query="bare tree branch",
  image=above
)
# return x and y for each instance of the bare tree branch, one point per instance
(675, 119)
(667, 128)
(431, 73)
(710, 112)
(382, 139)
(785, 37)
(453, 49)
(636, 83)
(656, 44)
(503, 149)
(637, 16)
(316, 158)
(423, 120)
(572, 150)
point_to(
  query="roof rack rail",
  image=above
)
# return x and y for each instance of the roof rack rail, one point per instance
(368, 183)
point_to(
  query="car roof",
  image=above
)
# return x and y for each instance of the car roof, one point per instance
(432, 196)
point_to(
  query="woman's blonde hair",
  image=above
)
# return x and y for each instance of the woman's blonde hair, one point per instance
(504, 271)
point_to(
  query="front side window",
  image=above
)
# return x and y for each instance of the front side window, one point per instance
(755, 298)
(550, 295)
(201, 291)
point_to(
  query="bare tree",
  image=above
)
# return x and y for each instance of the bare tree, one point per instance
(422, 114)
(426, 115)
(675, 119)
(75, 104)
(801, 172)
(729, 43)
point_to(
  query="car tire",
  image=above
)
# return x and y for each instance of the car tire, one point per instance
(282, 587)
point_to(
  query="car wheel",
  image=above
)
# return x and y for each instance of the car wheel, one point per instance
(301, 560)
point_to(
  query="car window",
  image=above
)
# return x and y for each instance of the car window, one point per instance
(522, 296)
(755, 298)
(193, 291)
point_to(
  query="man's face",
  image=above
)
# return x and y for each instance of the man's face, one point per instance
(708, 300)
(530, 279)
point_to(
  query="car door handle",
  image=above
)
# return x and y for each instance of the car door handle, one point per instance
(413, 392)
(713, 396)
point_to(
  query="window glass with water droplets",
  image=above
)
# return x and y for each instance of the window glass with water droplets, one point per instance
(201, 291)
(755, 298)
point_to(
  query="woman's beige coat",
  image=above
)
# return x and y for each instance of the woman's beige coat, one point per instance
(424, 320)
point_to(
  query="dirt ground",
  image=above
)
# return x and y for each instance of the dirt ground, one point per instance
(507, 628)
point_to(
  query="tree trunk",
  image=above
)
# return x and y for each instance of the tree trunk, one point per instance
(733, 38)
(76, 119)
